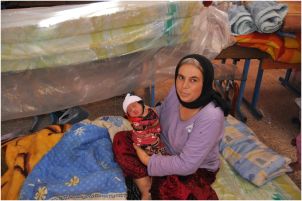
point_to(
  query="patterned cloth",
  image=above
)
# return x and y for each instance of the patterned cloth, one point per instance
(146, 132)
(22, 154)
(114, 124)
(281, 49)
(252, 159)
(229, 185)
(195, 186)
(80, 166)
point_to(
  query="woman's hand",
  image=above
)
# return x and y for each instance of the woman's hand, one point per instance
(142, 155)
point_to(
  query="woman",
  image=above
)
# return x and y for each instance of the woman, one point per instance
(192, 123)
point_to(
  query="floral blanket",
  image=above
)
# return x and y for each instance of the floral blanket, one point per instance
(20, 156)
(80, 166)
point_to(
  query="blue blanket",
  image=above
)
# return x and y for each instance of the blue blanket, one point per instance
(241, 20)
(249, 157)
(268, 15)
(80, 166)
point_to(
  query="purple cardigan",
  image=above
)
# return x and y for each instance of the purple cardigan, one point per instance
(196, 141)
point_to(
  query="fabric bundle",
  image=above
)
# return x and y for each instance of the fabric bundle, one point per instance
(241, 20)
(268, 15)
(252, 159)
(80, 166)
(260, 16)
(21, 156)
(281, 49)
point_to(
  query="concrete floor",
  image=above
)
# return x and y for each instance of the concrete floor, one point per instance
(276, 102)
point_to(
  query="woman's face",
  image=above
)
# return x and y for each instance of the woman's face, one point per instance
(135, 109)
(189, 82)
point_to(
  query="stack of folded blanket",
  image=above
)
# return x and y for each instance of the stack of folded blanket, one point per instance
(252, 159)
(263, 16)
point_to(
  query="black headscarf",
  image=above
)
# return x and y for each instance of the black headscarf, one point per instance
(208, 94)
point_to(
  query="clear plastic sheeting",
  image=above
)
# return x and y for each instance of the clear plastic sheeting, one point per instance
(58, 57)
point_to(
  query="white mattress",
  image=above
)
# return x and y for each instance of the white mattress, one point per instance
(58, 57)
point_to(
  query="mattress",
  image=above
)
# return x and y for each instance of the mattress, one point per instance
(229, 185)
(64, 35)
(58, 57)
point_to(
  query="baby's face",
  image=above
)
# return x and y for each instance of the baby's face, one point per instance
(135, 109)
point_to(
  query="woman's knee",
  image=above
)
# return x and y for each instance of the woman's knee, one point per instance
(121, 138)
(126, 157)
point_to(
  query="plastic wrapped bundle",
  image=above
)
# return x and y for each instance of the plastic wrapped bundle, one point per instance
(58, 57)
(65, 35)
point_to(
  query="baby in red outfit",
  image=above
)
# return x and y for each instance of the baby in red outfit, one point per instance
(145, 123)
(145, 133)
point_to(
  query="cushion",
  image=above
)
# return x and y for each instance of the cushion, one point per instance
(252, 159)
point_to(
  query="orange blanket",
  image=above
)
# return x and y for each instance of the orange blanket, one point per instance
(281, 49)
(22, 154)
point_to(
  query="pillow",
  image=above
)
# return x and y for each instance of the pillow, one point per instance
(114, 124)
(252, 159)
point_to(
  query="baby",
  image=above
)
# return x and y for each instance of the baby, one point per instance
(145, 133)
(145, 123)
